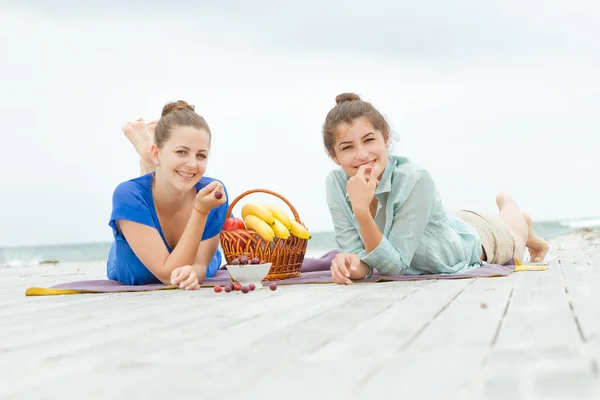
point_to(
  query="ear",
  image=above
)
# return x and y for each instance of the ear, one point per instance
(154, 154)
(334, 158)
(387, 143)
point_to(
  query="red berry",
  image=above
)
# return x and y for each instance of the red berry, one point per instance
(235, 261)
(245, 289)
(237, 286)
(243, 260)
(273, 286)
(218, 288)
(262, 262)
(252, 286)
(218, 195)
(228, 288)
(255, 260)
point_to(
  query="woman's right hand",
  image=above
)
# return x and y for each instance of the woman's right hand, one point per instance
(206, 199)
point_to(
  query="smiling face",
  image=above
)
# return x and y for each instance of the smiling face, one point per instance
(359, 144)
(183, 158)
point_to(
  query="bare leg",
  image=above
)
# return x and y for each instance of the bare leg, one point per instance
(522, 225)
(140, 135)
(538, 247)
(511, 215)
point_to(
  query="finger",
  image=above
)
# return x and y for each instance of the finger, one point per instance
(191, 278)
(361, 171)
(195, 285)
(208, 189)
(175, 276)
(341, 263)
(352, 263)
(336, 276)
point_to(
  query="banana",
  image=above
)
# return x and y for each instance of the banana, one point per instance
(259, 211)
(299, 230)
(280, 229)
(280, 215)
(259, 226)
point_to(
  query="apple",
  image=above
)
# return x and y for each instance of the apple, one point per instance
(233, 223)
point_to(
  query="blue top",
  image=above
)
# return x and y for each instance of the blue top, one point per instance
(133, 201)
(419, 236)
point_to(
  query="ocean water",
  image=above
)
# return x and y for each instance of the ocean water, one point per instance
(320, 243)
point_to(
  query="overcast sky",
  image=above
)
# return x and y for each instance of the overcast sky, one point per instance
(488, 96)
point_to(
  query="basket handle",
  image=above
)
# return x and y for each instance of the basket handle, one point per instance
(262, 191)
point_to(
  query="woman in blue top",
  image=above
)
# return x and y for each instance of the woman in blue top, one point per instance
(388, 215)
(166, 223)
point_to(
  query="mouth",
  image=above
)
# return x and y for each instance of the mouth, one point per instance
(367, 163)
(185, 175)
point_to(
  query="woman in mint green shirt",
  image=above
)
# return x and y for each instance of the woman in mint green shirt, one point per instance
(388, 215)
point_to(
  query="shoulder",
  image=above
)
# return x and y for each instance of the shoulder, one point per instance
(205, 180)
(407, 172)
(408, 177)
(135, 188)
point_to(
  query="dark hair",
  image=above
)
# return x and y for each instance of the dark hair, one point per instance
(177, 114)
(349, 107)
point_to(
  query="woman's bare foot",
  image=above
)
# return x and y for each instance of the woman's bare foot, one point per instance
(139, 135)
(538, 247)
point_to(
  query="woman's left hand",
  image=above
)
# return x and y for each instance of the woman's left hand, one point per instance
(361, 187)
(185, 277)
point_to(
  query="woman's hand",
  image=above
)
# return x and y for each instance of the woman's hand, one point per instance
(185, 277)
(361, 188)
(346, 266)
(207, 198)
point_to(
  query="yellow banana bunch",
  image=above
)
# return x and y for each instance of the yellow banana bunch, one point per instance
(270, 221)
(280, 229)
(299, 230)
(280, 215)
(259, 211)
(263, 229)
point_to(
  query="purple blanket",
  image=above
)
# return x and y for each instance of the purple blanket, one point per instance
(314, 270)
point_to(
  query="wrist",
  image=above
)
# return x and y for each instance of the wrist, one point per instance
(361, 271)
(361, 212)
(200, 210)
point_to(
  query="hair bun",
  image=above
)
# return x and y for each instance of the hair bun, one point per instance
(344, 97)
(176, 106)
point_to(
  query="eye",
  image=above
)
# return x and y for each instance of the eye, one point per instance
(181, 152)
(202, 155)
(346, 148)
(369, 139)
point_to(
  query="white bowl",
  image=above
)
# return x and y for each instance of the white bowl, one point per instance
(249, 273)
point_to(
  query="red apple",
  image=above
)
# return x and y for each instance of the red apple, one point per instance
(233, 223)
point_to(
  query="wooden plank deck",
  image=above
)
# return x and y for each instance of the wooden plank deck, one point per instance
(531, 335)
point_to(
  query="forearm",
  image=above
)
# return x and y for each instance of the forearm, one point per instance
(369, 230)
(361, 271)
(200, 271)
(187, 247)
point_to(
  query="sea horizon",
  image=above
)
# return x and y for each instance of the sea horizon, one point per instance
(320, 243)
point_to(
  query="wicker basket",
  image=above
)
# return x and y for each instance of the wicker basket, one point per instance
(286, 255)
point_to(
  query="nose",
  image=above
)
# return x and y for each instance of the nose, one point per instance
(191, 162)
(361, 153)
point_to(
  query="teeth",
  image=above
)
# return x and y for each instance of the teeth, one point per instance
(185, 175)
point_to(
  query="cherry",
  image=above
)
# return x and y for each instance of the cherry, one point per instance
(252, 286)
(218, 195)
(273, 286)
(255, 260)
(243, 260)
(228, 288)
(235, 261)
(245, 289)
(218, 288)
(237, 286)
(262, 262)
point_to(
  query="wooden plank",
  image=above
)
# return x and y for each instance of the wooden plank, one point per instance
(440, 361)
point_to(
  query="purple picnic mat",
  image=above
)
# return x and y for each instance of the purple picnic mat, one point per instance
(314, 270)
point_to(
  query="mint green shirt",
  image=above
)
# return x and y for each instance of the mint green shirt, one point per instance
(419, 236)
